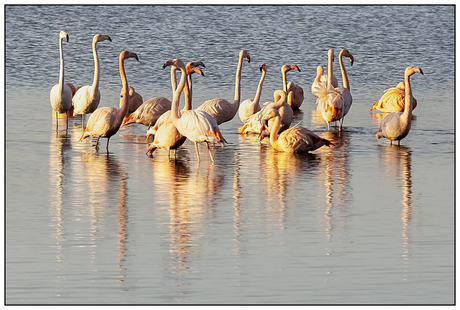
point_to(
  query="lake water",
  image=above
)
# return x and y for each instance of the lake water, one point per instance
(358, 223)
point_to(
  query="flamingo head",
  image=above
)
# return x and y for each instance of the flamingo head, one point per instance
(287, 68)
(346, 53)
(330, 53)
(101, 37)
(245, 55)
(175, 62)
(125, 55)
(194, 67)
(263, 67)
(64, 35)
(412, 70)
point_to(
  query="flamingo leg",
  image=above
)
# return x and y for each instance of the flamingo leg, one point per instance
(209, 150)
(97, 144)
(57, 121)
(107, 148)
(197, 154)
(66, 122)
(391, 142)
(83, 121)
(327, 126)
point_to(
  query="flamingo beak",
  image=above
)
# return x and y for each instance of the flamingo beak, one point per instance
(421, 71)
(261, 135)
(134, 55)
(167, 64)
(109, 38)
(352, 59)
(67, 37)
(248, 58)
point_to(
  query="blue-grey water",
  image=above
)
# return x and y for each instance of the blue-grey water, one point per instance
(360, 222)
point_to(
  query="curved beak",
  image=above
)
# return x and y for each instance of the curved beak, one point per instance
(167, 64)
(421, 71)
(109, 38)
(67, 37)
(133, 55)
(248, 58)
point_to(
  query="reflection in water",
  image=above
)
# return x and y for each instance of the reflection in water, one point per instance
(236, 202)
(398, 161)
(280, 172)
(336, 178)
(191, 198)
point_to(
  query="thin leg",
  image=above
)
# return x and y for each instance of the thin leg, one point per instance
(83, 122)
(66, 122)
(209, 150)
(327, 125)
(197, 154)
(169, 153)
(97, 143)
(391, 142)
(107, 148)
(399, 141)
(57, 121)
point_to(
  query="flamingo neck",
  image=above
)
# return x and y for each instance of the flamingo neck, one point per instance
(173, 79)
(188, 93)
(274, 132)
(283, 73)
(344, 72)
(96, 68)
(175, 116)
(408, 104)
(281, 100)
(329, 70)
(259, 89)
(61, 68)
(237, 81)
(124, 81)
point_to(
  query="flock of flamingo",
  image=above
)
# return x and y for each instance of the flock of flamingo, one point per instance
(171, 126)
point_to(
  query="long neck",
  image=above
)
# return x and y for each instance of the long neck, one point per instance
(408, 104)
(281, 100)
(173, 79)
(283, 73)
(61, 69)
(237, 81)
(96, 67)
(274, 131)
(175, 103)
(188, 93)
(125, 103)
(344, 72)
(259, 89)
(329, 71)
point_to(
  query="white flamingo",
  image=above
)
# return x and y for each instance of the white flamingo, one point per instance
(334, 103)
(196, 125)
(395, 126)
(106, 121)
(294, 92)
(221, 109)
(321, 78)
(61, 93)
(251, 106)
(87, 98)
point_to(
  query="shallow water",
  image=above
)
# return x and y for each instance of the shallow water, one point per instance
(360, 222)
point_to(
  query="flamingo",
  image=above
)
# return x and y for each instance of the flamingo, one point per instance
(196, 125)
(294, 92)
(221, 109)
(166, 134)
(248, 106)
(334, 103)
(392, 100)
(254, 122)
(61, 94)
(190, 68)
(295, 139)
(321, 77)
(395, 126)
(87, 98)
(106, 121)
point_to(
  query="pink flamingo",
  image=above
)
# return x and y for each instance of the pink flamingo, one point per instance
(106, 121)
(250, 106)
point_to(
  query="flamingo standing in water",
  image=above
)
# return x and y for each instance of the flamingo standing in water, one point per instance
(334, 103)
(295, 139)
(395, 126)
(392, 100)
(321, 78)
(106, 121)
(294, 92)
(87, 98)
(190, 68)
(196, 125)
(250, 106)
(61, 93)
(166, 134)
(254, 123)
(221, 109)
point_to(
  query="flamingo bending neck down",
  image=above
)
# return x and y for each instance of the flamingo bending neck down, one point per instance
(334, 103)
(294, 92)
(248, 106)
(322, 78)
(106, 121)
(221, 109)
(196, 125)
(254, 123)
(61, 93)
(166, 134)
(395, 126)
(87, 98)
(295, 139)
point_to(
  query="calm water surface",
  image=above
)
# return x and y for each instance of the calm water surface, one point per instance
(360, 222)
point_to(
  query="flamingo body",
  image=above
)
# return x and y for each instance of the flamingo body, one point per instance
(392, 100)
(149, 112)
